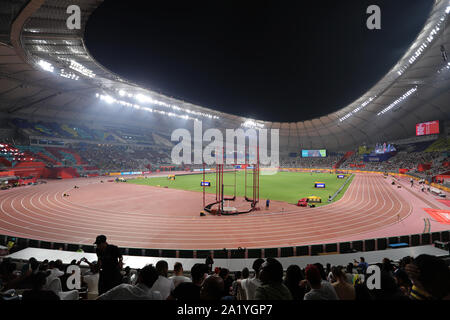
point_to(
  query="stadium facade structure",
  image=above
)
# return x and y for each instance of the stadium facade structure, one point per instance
(35, 39)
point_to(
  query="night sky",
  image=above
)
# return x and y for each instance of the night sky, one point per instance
(267, 60)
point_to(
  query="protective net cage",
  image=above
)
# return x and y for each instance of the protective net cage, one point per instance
(226, 178)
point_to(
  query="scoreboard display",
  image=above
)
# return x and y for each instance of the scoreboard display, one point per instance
(314, 153)
(427, 128)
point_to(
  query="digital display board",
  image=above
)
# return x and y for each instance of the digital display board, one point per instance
(314, 153)
(427, 128)
(320, 185)
(384, 148)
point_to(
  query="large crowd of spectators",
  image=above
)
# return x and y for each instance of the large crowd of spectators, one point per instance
(316, 163)
(403, 160)
(123, 158)
(425, 277)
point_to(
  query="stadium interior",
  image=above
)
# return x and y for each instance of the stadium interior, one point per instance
(71, 131)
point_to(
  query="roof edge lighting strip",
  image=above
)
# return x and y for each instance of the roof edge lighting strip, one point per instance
(362, 106)
(397, 101)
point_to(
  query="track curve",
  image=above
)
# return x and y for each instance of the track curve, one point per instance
(150, 217)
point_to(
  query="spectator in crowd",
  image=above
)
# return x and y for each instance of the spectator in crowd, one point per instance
(54, 272)
(349, 272)
(128, 276)
(251, 284)
(91, 280)
(362, 265)
(209, 262)
(320, 289)
(31, 265)
(163, 285)
(430, 277)
(25, 280)
(323, 275)
(109, 263)
(227, 281)
(292, 281)
(7, 274)
(387, 266)
(178, 276)
(238, 291)
(272, 287)
(344, 290)
(212, 288)
(389, 289)
(37, 293)
(190, 291)
(235, 284)
(328, 269)
(141, 291)
(403, 282)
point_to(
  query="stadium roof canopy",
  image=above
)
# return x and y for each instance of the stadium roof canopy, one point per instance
(46, 70)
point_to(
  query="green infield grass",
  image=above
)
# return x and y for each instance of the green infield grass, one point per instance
(282, 186)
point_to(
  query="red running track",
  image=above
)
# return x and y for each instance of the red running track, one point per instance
(151, 217)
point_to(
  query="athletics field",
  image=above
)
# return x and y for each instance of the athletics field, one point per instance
(282, 186)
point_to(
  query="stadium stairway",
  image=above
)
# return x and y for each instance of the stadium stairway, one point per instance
(39, 153)
(347, 155)
(5, 162)
(75, 156)
(48, 159)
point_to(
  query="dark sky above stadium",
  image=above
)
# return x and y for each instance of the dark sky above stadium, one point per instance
(269, 60)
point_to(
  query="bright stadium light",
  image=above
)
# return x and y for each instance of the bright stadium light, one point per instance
(109, 99)
(252, 124)
(429, 39)
(68, 75)
(143, 98)
(47, 66)
(396, 102)
(81, 69)
(146, 99)
(361, 106)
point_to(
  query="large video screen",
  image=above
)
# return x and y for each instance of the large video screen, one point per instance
(384, 148)
(314, 153)
(426, 128)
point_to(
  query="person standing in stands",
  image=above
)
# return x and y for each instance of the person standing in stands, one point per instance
(109, 264)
